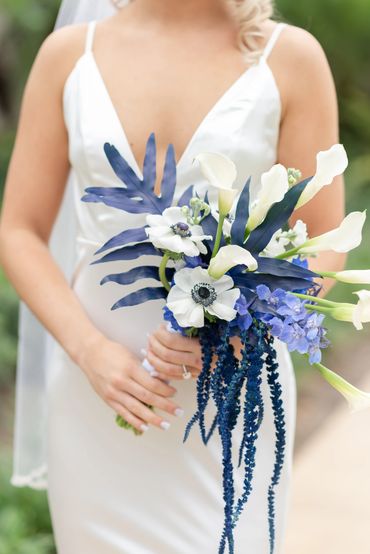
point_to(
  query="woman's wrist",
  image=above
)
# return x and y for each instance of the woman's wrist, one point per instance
(91, 341)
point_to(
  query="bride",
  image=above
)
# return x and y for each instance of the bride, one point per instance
(219, 75)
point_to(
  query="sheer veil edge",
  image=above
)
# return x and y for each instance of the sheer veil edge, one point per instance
(35, 345)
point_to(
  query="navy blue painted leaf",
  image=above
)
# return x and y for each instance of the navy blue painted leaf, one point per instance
(186, 196)
(168, 183)
(129, 253)
(149, 166)
(252, 280)
(277, 216)
(241, 216)
(121, 167)
(141, 296)
(209, 226)
(283, 268)
(136, 195)
(125, 237)
(133, 275)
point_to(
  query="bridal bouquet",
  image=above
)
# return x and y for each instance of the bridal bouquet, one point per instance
(236, 270)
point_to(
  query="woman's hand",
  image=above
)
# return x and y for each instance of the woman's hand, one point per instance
(167, 352)
(120, 380)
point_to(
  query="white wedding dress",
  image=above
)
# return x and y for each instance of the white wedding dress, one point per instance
(110, 491)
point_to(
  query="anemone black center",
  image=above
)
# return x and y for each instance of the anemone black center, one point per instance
(203, 293)
(181, 229)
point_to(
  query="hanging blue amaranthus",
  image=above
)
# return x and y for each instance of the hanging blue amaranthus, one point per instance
(224, 383)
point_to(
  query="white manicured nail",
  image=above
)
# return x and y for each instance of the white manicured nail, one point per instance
(144, 427)
(143, 352)
(147, 365)
(179, 412)
(165, 425)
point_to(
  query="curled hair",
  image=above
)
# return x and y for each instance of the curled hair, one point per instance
(249, 16)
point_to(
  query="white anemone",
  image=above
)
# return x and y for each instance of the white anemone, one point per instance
(171, 231)
(280, 239)
(220, 172)
(195, 291)
(329, 164)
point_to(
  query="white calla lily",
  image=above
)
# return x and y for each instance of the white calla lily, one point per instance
(361, 312)
(356, 398)
(220, 172)
(342, 239)
(329, 164)
(354, 276)
(229, 256)
(274, 186)
(342, 311)
(195, 292)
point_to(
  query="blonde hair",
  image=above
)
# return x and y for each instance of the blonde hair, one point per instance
(249, 16)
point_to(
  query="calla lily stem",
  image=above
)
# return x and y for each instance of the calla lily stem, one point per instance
(216, 247)
(316, 299)
(288, 253)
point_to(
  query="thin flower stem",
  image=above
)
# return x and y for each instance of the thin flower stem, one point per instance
(162, 272)
(288, 253)
(316, 299)
(320, 309)
(218, 235)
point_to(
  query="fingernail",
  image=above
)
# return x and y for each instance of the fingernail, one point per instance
(147, 365)
(154, 373)
(143, 352)
(179, 412)
(165, 425)
(144, 427)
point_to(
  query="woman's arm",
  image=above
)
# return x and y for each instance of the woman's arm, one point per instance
(309, 124)
(34, 189)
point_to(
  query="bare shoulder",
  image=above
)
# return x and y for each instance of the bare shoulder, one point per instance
(301, 49)
(299, 59)
(60, 51)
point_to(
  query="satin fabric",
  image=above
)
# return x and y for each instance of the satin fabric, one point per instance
(110, 491)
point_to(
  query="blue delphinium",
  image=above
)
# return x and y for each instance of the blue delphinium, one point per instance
(243, 320)
(293, 324)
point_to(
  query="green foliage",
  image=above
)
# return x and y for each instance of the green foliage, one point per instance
(25, 525)
(342, 28)
(8, 331)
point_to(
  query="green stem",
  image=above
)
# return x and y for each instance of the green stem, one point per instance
(218, 235)
(317, 299)
(287, 254)
(162, 272)
(320, 309)
(328, 274)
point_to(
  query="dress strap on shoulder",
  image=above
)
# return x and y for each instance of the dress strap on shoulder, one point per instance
(90, 36)
(272, 40)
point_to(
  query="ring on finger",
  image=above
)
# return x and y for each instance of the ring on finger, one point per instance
(185, 372)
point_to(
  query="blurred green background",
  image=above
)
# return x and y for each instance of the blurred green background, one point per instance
(343, 30)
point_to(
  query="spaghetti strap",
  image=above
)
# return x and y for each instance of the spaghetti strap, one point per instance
(273, 38)
(90, 36)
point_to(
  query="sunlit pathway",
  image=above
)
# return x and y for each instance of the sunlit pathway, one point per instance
(330, 502)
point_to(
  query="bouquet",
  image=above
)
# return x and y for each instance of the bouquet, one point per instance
(236, 270)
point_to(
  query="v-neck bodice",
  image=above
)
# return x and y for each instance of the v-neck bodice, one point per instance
(243, 124)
